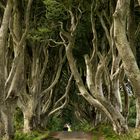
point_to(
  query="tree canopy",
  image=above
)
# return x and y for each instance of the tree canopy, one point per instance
(69, 61)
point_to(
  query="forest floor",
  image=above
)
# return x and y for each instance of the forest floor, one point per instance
(99, 133)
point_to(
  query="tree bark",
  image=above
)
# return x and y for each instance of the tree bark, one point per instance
(119, 123)
(139, 2)
(125, 52)
(18, 85)
(116, 118)
(3, 39)
(95, 95)
(8, 119)
(28, 118)
(126, 102)
(116, 95)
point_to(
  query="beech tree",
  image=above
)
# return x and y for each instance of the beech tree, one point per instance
(124, 48)
(3, 39)
(103, 57)
(12, 75)
(55, 54)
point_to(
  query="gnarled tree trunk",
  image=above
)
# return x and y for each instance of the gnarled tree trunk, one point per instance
(8, 119)
(100, 102)
(8, 125)
(95, 95)
(125, 52)
(28, 113)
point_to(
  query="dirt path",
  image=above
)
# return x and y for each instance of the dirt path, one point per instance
(72, 135)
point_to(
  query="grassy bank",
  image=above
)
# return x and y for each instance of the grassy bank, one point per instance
(102, 132)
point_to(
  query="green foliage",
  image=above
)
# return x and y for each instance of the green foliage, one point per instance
(55, 11)
(55, 123)
(31, 136)
(107, 133)
(38, 27)
(39, 34)
(99, 132)
(82, 126)
(18, 119)
(67, 114)
(132, 113)
(46, 25)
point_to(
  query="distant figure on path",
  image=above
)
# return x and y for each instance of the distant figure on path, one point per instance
(67, 127)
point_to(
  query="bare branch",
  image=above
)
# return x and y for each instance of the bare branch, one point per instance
(74, 19)
(12, 72)
(115, 70)
(137, 31)
(64, 41)
(4, 32)
(105, 29)
(73, 26)
(60, 107)
(57, 76)
(45, 63)
(94, 41)
(64, 96)
(89, 76)
(98, 78)
(78, 17)
(66, 92)
(80, 84)
(126, 101)
(47, 104)
(139, 2)
(105, 15)
(16, 59)
(27, 17)
(57, 43)
(11, 29)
